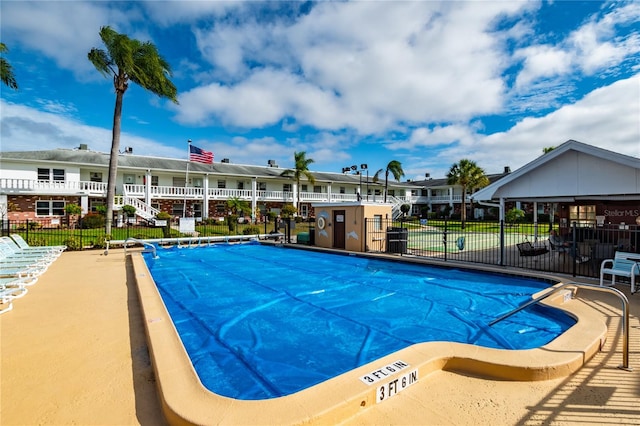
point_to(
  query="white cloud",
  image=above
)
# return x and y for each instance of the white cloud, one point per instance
(590, 48)
(27, 129)
(608, 117)
(64, 31)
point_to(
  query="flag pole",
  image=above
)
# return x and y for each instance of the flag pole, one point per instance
(186, 180)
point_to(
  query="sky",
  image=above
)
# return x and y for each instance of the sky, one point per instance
(425, 83)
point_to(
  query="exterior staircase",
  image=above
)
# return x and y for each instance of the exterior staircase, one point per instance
(396, 213)
(143, 209)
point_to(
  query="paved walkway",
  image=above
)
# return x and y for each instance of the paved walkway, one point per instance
(73, 351)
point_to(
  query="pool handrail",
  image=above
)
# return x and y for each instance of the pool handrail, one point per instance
(556, 289)
(144, 244)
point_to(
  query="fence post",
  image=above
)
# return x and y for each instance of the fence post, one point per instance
(574, 247)
(502, 247)
(444, 239)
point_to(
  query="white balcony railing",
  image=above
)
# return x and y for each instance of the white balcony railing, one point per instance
(99, 189)
(52, 187)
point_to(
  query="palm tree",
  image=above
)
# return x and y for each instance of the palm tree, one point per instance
(301, 170)
(127, 60)
(395, 168)
(548, 149)
(237, 204)
(467, 174)
(6, 71)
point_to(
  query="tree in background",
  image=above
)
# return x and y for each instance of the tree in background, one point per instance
(127, 60)
(395, 168)
(469, 176)
(301, 170)
(6, 70)
(548, 149)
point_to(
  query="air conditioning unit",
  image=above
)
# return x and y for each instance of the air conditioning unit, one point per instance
(225, 160)
(271, 163)
(128, 150)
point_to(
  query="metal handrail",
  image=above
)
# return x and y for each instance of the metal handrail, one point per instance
(625, 313)
(144, 244)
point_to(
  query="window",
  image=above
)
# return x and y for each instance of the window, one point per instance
(95, 204)
(197, 209)
(304, 210)
(317, 189)
(179, 182)
(95, 176)
(343, 190)
(50, 208)
(222, 184)
(43, 174)
(129, 179)
(262, 186)
(240, 185)
(304, 188)
(177, 209)
(154, 180)
(221, 208)
(197, 182)
(286, 187)
(392, 192)
(582, 215)
(377, 222)
(51, 174)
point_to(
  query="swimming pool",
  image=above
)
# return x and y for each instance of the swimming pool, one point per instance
(261, 322)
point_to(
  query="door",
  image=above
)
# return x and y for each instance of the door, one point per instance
(338, 229)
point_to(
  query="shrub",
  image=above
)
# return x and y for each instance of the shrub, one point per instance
(73, 244)
(92, 221)
(288, 210)
(250, 230)
(99, 242)
(513, 215)
(163, 216)
(72, 209)
(37, 241)
(129, 210)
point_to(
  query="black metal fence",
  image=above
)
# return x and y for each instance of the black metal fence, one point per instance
(523, 245)
(90, 233)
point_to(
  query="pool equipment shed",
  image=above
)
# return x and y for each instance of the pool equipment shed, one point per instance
(343, 226)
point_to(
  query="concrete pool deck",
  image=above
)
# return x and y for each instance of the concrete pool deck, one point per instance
(74, 351)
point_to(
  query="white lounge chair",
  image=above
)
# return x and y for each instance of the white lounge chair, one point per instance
(12, 252)
(7, 294)
(21, 243)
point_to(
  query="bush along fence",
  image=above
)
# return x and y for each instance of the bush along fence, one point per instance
(522, 245)
(88, 232)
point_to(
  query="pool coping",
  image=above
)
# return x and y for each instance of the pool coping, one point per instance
(186, 401)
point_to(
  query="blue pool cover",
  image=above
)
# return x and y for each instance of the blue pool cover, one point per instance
(261, 322)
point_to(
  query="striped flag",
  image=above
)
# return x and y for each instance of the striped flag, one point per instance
(200, 155)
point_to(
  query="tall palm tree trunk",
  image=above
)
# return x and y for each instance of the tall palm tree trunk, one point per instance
(113, 160)
(386, 185)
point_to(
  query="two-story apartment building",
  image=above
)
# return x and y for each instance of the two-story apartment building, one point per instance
(36, 185)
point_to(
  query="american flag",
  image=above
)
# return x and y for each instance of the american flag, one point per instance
(200, 155)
